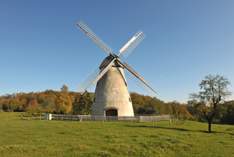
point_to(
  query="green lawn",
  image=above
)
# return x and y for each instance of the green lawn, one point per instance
(35, 138)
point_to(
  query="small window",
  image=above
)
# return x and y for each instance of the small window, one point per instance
(130, 99)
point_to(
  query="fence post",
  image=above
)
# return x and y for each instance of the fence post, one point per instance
(48, 116)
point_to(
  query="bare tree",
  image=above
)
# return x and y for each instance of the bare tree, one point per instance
(213, 90)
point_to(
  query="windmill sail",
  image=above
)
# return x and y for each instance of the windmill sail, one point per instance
(131, 44)
(95, 77)
(84, 28)
(133, 72)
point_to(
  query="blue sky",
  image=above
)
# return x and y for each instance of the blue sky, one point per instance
(41, 48)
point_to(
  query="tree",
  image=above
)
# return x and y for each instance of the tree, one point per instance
(83, 104)
(227, 116)
(32, 106)
(213, 90)
(179, 110)
(64, 89)
(63, 101)
(76, 106)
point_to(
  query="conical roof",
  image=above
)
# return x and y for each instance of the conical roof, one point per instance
(107, 60)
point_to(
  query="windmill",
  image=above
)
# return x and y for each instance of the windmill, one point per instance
(111, 94)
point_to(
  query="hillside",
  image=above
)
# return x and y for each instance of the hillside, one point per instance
(26, 138)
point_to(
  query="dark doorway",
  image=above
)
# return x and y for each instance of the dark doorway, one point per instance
(111, 112)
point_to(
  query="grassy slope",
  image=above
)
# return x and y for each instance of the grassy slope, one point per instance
(26, 138)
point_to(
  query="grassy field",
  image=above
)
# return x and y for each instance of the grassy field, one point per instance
(27, 138)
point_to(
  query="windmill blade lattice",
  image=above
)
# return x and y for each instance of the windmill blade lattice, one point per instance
(131, 44)
(144, 83)
(88, 81)
(94, 77)
(84, 28)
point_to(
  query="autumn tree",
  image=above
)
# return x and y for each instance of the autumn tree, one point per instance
(75, 106)
(63, 103)
(213, 90)
(32, 106)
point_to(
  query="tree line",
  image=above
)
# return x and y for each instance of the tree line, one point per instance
(208, 105)
(66, 102)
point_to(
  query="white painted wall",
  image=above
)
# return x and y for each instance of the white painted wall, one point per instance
(111, 92)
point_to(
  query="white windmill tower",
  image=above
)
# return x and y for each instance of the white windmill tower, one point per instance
(111, 95)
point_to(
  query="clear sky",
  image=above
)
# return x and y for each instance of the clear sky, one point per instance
(41, 48)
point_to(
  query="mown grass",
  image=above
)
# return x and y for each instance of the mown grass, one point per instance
(37, 138)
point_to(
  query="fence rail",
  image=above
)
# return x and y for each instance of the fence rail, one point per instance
(48, 116)
(154, 118)
(35, 116)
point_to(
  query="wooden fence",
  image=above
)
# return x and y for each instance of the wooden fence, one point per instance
(106, 118)
(33, 116)
(48, 116)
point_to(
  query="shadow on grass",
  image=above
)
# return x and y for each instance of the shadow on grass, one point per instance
(178, 129)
